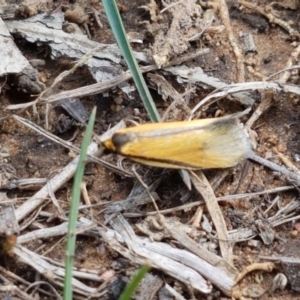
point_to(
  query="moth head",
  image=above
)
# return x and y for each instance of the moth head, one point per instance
(118, 141)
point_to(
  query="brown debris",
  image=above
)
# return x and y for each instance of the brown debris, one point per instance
(187, 21)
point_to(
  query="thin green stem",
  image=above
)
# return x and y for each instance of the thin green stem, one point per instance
(133, 284)
(116, 24)
(71, 237)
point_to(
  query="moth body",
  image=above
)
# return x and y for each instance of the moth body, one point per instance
(199, 144)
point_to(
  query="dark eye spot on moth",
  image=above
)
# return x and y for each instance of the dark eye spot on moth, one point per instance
(120, 139)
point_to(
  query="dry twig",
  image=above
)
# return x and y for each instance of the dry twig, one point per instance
(203, 187)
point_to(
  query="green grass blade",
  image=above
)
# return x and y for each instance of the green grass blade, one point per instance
(120, 35)
(133, 284)
(71, 237)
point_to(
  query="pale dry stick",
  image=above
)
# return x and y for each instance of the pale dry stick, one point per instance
(284, 212)
(60, 179)
(58, 79)
(177, 99)
(288, 175)
(174, 293)
(200, 251)
(282, 71)
(102, 289)
(53, 273)
(275, 201)
(34, 215)
(60, 212)
(206, 26)
(264, 106)
(86, 198)
(47, 111)
(47, 233)
(110, 217)
(56, 182)
(27, 183)
(45, 214)
(89, 90)
(245, 86)
(180, 264)
(39, 225)
(85, 229)
(266, 103)
(9, 274)
(254, 267)
(284, 259)
(218, 178)
(57, 295)
(40, 248)
(7, 202)
(13, 289)
(221, 7)
(59, 264)
(196, 218)
(171, 5)
(288, 163)
(4, 280)
(138, 177)
(292, 219)
(98, 88)
(70, 146)
(98, 21)
(197, 203)
(129, 203)
(203, 187)
(167, 90)
(78, 64)
(188, 93)
(267, 12)
(293, 59)
(187, 96)
(46, 133)
(61, 241)
(87, 274)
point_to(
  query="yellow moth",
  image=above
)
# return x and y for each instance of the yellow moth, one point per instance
(199, 144)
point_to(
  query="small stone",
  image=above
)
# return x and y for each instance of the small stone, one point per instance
(293, 234)
(296, 157)
(253, 291)
(268, 154)
(136, 112)
(279, 282)
(101, 250)
(254, 243)
(295, 101)
(294, 44)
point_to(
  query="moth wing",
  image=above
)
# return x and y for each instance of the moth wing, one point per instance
(215, 143)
